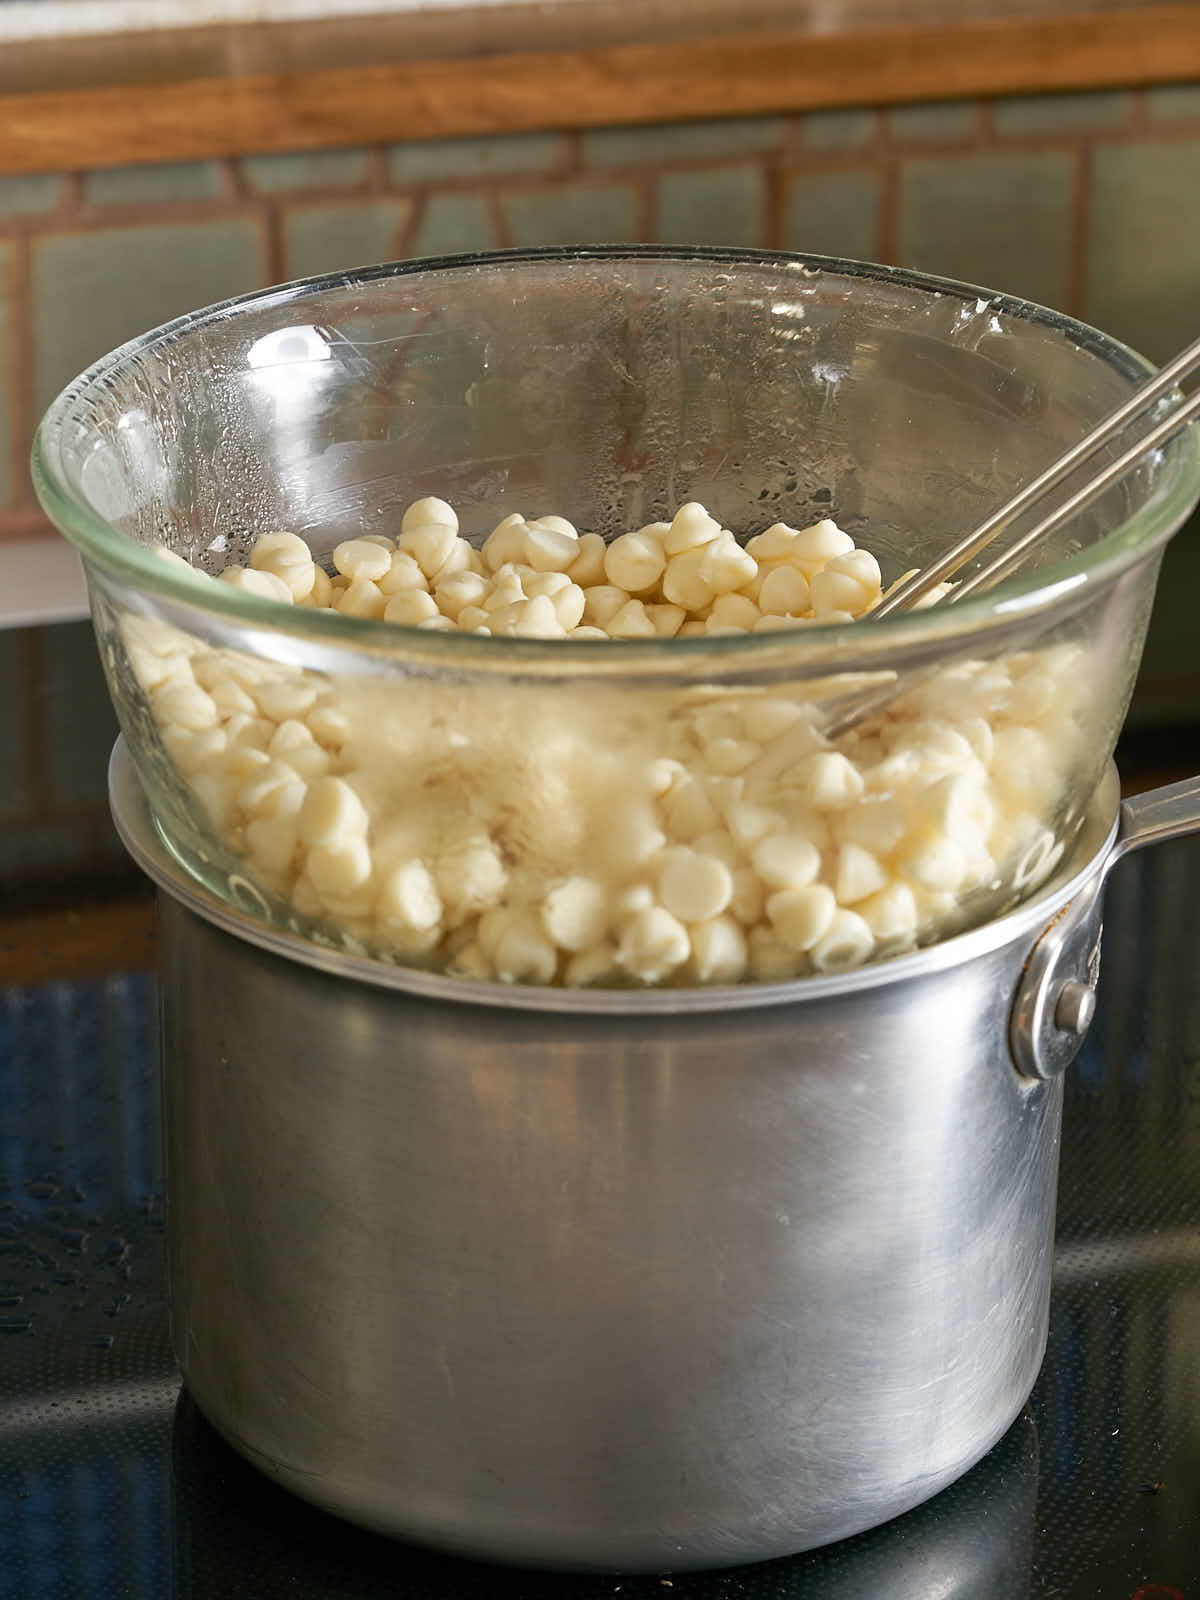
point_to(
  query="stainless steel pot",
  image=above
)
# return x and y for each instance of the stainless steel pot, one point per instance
(677, 1279)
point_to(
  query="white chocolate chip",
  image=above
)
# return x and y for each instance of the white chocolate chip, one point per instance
(265, 585)
(289, 697)
(667, 619)
(683, 583)
(590, 967)
(934, 862)
(724, 565)
(505, 543)
(587, 565)
(471, 876)
(287, 557)
(404, 573)
(690, 527)
(430, 509)
(652, 944)
(410, 607)
(859, 874)
(549, 549)
(784, 592)
(801, 917)
(732, 610)
(359, 558)
(815, 546)
(185, 705)
(635, 562)
(458, 591)
(408, 897)
(829, 781)
(786, 860)
(522, 953)
(430, 544)
(694, 887)
(575, 914)
(891, 915)
(332, 812)
(632, 622)
(719, 952)
(846, 943)
(361, 598)
(602, 602)
(338, 869)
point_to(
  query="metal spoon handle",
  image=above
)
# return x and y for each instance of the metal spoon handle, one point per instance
(905, 595)
(1092, 490)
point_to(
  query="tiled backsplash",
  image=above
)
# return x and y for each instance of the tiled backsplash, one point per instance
(1086, 202)
(1083, 201)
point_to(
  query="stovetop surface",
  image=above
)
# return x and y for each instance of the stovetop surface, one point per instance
(112, 1484)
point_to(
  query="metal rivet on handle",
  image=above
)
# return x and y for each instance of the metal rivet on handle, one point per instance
(1075, 1008)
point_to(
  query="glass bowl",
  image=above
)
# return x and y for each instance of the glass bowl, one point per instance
(629, 811)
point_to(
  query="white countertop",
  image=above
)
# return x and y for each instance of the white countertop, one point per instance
(43, 19)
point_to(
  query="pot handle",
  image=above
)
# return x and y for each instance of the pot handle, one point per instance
(1056, 997)
(1154, 817)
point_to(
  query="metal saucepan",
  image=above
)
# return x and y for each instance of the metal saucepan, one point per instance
(678, 1279)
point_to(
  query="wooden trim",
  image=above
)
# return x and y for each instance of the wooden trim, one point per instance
(44, 946)
(735, 74)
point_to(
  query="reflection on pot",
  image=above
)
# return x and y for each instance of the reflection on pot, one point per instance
(238, 1534)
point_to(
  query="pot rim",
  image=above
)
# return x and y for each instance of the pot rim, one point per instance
(1084, 865)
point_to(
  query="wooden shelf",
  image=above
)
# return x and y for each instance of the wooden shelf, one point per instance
(191, 94)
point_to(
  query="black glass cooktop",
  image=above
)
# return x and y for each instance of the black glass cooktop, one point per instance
(111, 1483)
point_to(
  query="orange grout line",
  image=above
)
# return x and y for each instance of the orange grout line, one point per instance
(376, 180)
(1081, 207)
(21, 368)
(887, 235)
(495, 211)
(271, 244)
(71, 195)
(775, 204)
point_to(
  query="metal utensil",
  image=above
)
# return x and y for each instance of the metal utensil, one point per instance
(842, 713)
(1140, 403)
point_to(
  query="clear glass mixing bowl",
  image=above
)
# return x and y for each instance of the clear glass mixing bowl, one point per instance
(546, 810)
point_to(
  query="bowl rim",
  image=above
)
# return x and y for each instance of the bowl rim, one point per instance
(1065, 585)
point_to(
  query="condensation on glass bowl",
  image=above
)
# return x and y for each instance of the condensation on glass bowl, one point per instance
(904, 407)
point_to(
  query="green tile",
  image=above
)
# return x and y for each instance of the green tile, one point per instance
(837, 130)
(425, 161)
(1144, 243)
(832, 213)
(576, 215)
(21, 195)
(939, 122)
(726, 205)
(158, 185)
(8, 478)
(1174, 102)
(1062, 113)
(77, 717)
(679, 141)
(93, 290)
(452, 224)
(999, 220)
(15, 799)
(335, 238)
(306, 169)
